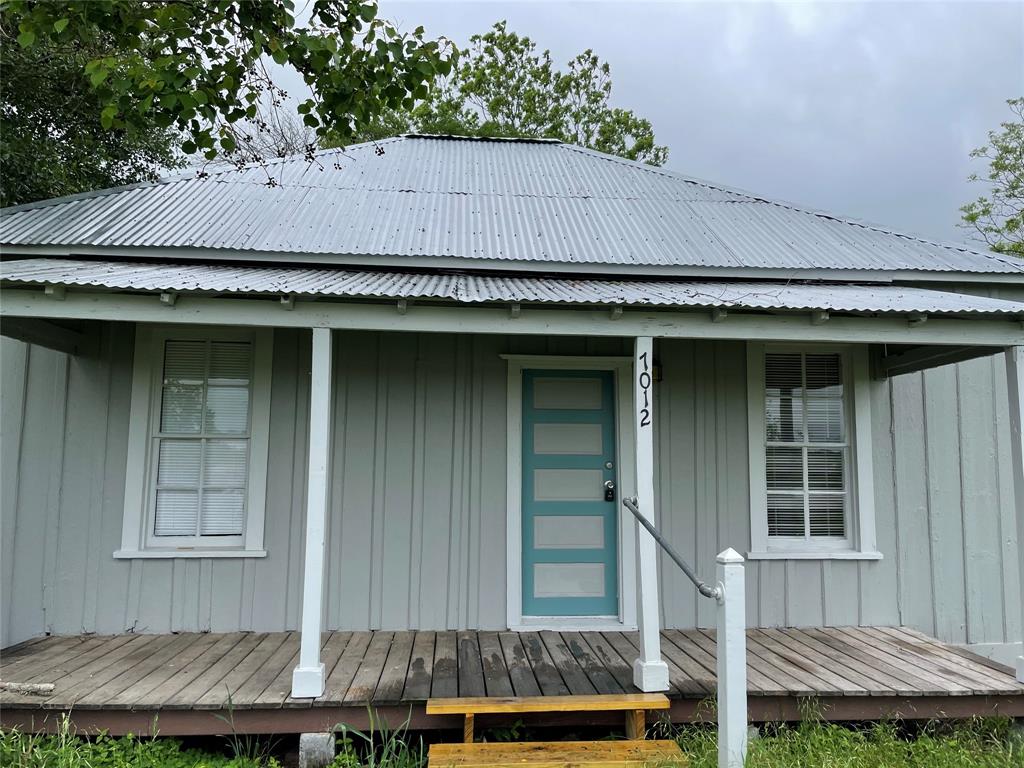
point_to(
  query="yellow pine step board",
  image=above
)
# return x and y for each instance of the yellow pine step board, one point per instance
(558, 754)
(483, 705)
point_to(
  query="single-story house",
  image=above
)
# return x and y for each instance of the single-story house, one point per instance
(318, 434)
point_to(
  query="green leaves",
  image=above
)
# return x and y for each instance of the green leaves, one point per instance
(175, 61)
(998, 217)
(505, 87)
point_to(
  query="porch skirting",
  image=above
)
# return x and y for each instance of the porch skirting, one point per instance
(195, 683)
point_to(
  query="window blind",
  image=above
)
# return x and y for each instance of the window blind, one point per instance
(806, 450)
(203, 440)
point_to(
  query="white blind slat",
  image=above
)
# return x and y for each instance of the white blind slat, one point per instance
(179, 462)
(828, 515)
(785, 514)
(225, 463)
(223, 513)
(230, 362)
(227, 410)
(176, 512)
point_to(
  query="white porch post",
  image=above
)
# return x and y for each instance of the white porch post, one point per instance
(1015, 389)
(731, 660)
(650, 673)
(308, 676)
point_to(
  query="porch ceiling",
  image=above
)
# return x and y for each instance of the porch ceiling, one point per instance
(481, 289)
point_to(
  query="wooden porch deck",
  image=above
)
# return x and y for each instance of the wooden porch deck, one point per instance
(194, 683)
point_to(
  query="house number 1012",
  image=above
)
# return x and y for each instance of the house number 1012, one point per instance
(644, 379)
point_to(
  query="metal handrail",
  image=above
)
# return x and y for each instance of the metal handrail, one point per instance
(702, 587)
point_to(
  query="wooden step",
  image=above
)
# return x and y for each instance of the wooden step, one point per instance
(557, 754)
(635, 705)
(483, 705)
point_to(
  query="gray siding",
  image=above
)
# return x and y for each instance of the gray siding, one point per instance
(417, 527)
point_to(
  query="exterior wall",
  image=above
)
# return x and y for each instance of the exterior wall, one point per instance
(417, 527)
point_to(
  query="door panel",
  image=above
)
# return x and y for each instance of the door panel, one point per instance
(570, 530)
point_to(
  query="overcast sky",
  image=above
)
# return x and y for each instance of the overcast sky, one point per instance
(862, 109)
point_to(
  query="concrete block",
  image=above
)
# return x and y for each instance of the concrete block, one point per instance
(316, 750)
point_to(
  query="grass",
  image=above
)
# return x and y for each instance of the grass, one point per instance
(976, 744)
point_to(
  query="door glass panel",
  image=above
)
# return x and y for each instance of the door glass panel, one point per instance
(578, 439)
(567, 394)
(568, 485)
(568, 532)
(568, 580)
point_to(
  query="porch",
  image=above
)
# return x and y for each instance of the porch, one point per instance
(198, 683)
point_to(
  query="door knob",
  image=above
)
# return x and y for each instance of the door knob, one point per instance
(609, 490)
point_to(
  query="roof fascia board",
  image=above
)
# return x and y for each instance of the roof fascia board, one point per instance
(410, 263)
(531, 321)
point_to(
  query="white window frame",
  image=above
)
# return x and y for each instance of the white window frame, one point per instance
(859, 543)
(622, 368)
(140, 471)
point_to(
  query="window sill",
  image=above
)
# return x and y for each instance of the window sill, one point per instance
(164, 554)
(840, 554)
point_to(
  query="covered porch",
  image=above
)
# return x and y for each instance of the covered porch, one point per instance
(892, 330)
(208, 683)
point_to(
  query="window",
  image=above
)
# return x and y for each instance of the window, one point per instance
(810, 473)
(198, 443)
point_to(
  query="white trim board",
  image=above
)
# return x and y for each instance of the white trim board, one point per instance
(532, 320)
(622, 368)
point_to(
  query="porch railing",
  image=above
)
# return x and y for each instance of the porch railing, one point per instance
(731, 643)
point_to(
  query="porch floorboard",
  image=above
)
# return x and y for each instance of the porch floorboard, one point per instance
(854, 670)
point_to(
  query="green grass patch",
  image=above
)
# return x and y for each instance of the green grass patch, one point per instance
(988, 743)
(976, 744)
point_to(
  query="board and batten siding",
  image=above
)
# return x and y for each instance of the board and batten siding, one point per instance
(416, 531)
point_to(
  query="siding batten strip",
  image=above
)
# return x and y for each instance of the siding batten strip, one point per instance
(1015, 392)
(308, 676)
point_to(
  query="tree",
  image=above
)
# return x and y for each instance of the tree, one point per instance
(998, 217)
(53, 141)
(504, 87)
(200, 66)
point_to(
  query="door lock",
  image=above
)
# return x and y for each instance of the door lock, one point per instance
(609, 490)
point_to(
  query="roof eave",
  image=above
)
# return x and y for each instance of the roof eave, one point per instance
(461, 263)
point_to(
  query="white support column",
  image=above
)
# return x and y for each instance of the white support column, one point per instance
(308, 676)
(1015, 389)
(731, 661)
(650, 673)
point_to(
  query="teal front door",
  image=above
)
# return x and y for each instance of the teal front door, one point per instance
(570, 494)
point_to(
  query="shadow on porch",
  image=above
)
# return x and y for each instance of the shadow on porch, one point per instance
(192, 683)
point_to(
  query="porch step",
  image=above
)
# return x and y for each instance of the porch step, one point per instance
(557, 754)
(635, 705)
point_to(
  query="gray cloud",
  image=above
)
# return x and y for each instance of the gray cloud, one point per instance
(862, 109)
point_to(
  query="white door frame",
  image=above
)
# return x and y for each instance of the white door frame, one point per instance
(622, 369)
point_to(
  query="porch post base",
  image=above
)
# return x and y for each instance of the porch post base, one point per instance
(650, 676)
(308, 682)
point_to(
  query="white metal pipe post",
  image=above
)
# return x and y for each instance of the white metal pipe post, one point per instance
(308, 677)
(650, 673)
(1015, 389)
(731, 661)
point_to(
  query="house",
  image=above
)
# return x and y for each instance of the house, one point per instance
(360, 430)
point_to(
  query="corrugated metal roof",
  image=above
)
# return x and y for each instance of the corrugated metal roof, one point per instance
(470, 289)
(542, 203)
